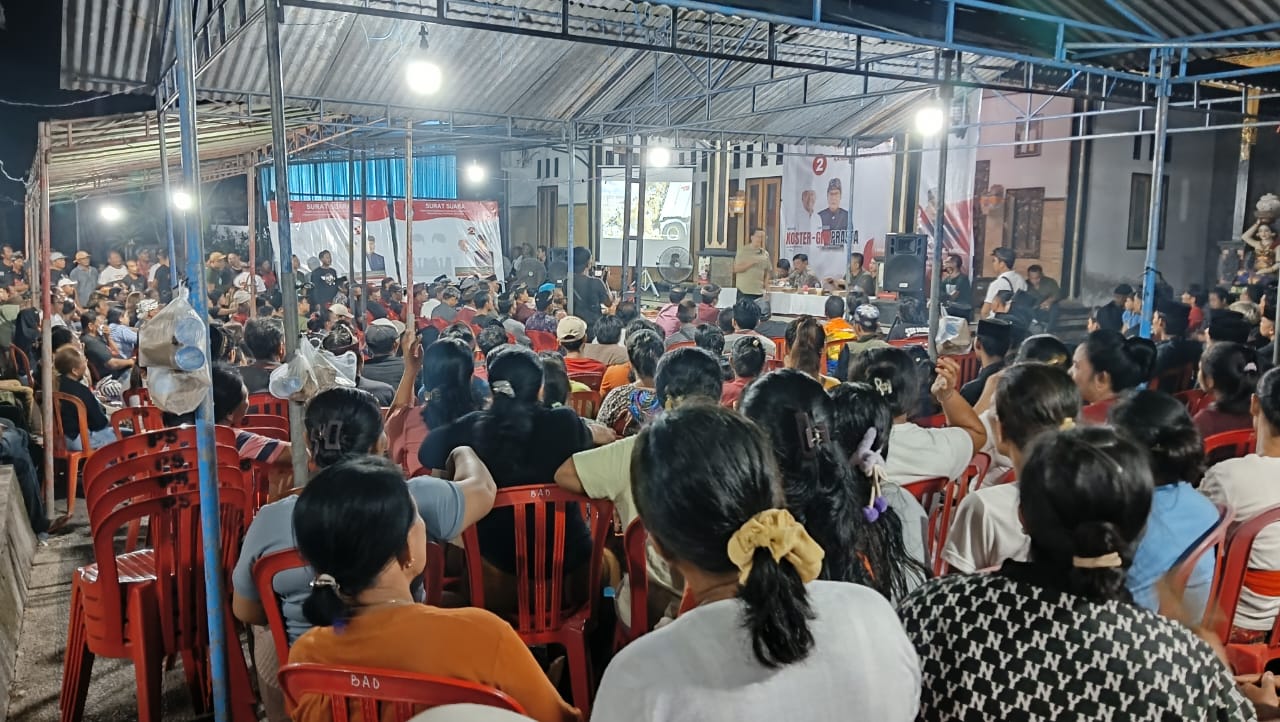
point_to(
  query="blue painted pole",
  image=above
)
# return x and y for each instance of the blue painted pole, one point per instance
(210, 518)
(1156, 204)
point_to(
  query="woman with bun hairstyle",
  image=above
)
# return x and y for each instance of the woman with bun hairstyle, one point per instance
(1229, 376)
(806, 349)
(358, 528)
(917, 453)
(1180, 516)
(1059, 637)
(767, 640)
(836, 490)
(1031, 398)
(1106, 365)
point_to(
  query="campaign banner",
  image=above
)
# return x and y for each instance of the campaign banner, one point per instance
(453, 238)
(326, 226)
(832, 206)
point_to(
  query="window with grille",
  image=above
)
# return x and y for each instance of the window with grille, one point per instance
(1023, 220)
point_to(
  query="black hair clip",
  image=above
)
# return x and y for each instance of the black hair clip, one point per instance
(812, 434)
(333, 435)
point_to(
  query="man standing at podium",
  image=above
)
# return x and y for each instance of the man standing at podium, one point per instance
(752, 266)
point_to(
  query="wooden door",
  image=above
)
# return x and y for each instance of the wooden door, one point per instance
(764, 210)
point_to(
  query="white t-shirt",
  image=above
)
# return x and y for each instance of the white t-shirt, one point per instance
(701, 667)
(109, 275)
(916, 453)
(428, 306)
(987, 530)
(1007, 281)
(1001, 465)
(242, 282)
(1248, 485)
(151, 272)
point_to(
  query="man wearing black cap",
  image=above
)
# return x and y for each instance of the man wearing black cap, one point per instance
(1169, 330)
(1228, 326)
(834, 218)
(991, 345)
(1007, 279)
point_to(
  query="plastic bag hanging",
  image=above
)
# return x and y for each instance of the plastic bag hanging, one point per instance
(174, 348)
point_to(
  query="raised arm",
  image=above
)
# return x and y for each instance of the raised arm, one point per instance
(958, 412)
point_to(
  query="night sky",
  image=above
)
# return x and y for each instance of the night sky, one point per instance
(30, 48)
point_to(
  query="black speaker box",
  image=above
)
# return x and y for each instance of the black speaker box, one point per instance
(905, 262)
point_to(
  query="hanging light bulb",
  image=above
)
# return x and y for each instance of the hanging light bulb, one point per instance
(659, 157)
(181, 200)
(929, 119)
(422, 75)
(476, 173)
(110, 212)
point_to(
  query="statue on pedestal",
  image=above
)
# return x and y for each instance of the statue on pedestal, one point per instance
(1262, 237)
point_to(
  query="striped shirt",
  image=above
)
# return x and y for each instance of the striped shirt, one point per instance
(256, 447)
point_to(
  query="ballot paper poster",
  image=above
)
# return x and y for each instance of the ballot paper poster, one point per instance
(826, 207)
(327, 226)
(453, 238)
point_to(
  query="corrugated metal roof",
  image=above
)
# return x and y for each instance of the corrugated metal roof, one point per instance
(113, 45)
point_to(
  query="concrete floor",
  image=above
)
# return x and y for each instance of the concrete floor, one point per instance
(37, 684)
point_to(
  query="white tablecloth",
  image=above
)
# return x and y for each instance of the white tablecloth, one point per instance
(787, 304)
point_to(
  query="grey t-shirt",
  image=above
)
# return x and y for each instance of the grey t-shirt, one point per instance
(439, 502)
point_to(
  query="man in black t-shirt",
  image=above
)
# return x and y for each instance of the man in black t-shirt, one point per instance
(324, 281)
(98, 351)
(589, 292)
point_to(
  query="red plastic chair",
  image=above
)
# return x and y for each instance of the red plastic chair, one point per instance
(939, 497)
(541, 617)
(780, 347)
(543, 340)
(970, 367)
(260, 420)
(138, 419)
(21, 362)
(152, 442)
(1244, 658)
(681, 344)
(593, 380)
(937, 421)
(634, 540)
(137, 397)
(772, 364)
(1213, 540)
(264, 573)
(72, 459)
(1230, 445)
(265, 403)
(400, 695)
(149, 604)
(1195, 400)
(586, 403)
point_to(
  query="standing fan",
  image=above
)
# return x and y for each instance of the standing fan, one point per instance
(531, 273)
(675, 265)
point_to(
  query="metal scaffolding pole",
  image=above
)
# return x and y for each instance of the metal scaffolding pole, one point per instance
(945, 91)
(625, 262)
(408, 216)
(638, 273)
(351, 226)
(250, 211)
(46, 327)
(848, 238)
(288, 285)
(364, 234)
(570, 225)
(164, 184)
(1156, 204)
(210, 509)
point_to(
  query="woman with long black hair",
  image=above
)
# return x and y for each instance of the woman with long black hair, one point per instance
(1106, 365)
(358, 528)
(1229, 374)
(766, 640)
(1059, 637)
(842, 502)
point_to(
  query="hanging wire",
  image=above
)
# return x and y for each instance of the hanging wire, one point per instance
(68, 104)
(5, 172)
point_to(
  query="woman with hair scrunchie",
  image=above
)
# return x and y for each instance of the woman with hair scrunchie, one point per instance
(1063, 623)
(765, 636)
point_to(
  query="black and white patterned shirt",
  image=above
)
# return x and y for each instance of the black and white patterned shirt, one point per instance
(1014, 646)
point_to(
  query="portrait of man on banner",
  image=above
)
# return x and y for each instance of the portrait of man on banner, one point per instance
(834, 218)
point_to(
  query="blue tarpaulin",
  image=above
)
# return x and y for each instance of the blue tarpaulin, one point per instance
(434, 177)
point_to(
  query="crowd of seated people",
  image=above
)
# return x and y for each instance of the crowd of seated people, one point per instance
(788, 547)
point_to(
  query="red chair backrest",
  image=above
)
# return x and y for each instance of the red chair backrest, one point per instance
(937, 421)
(260, 420)
(139, 419)
(264, 574)
(1235, 564)
(153, 464)
(1230, 445)
(176, 437)
(543, 340)
(592, 379)
(1213, 540)
(20, 361)
(772, 364)
(780, 347)
(1174, 380)
(539, 598)
(1195, 400)
(586, 403)
(76, 406)
(401, 695)
(634, 540)
(265, 403)
(137, 397)
(681, 344)
(170, 502)
(970, 367)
